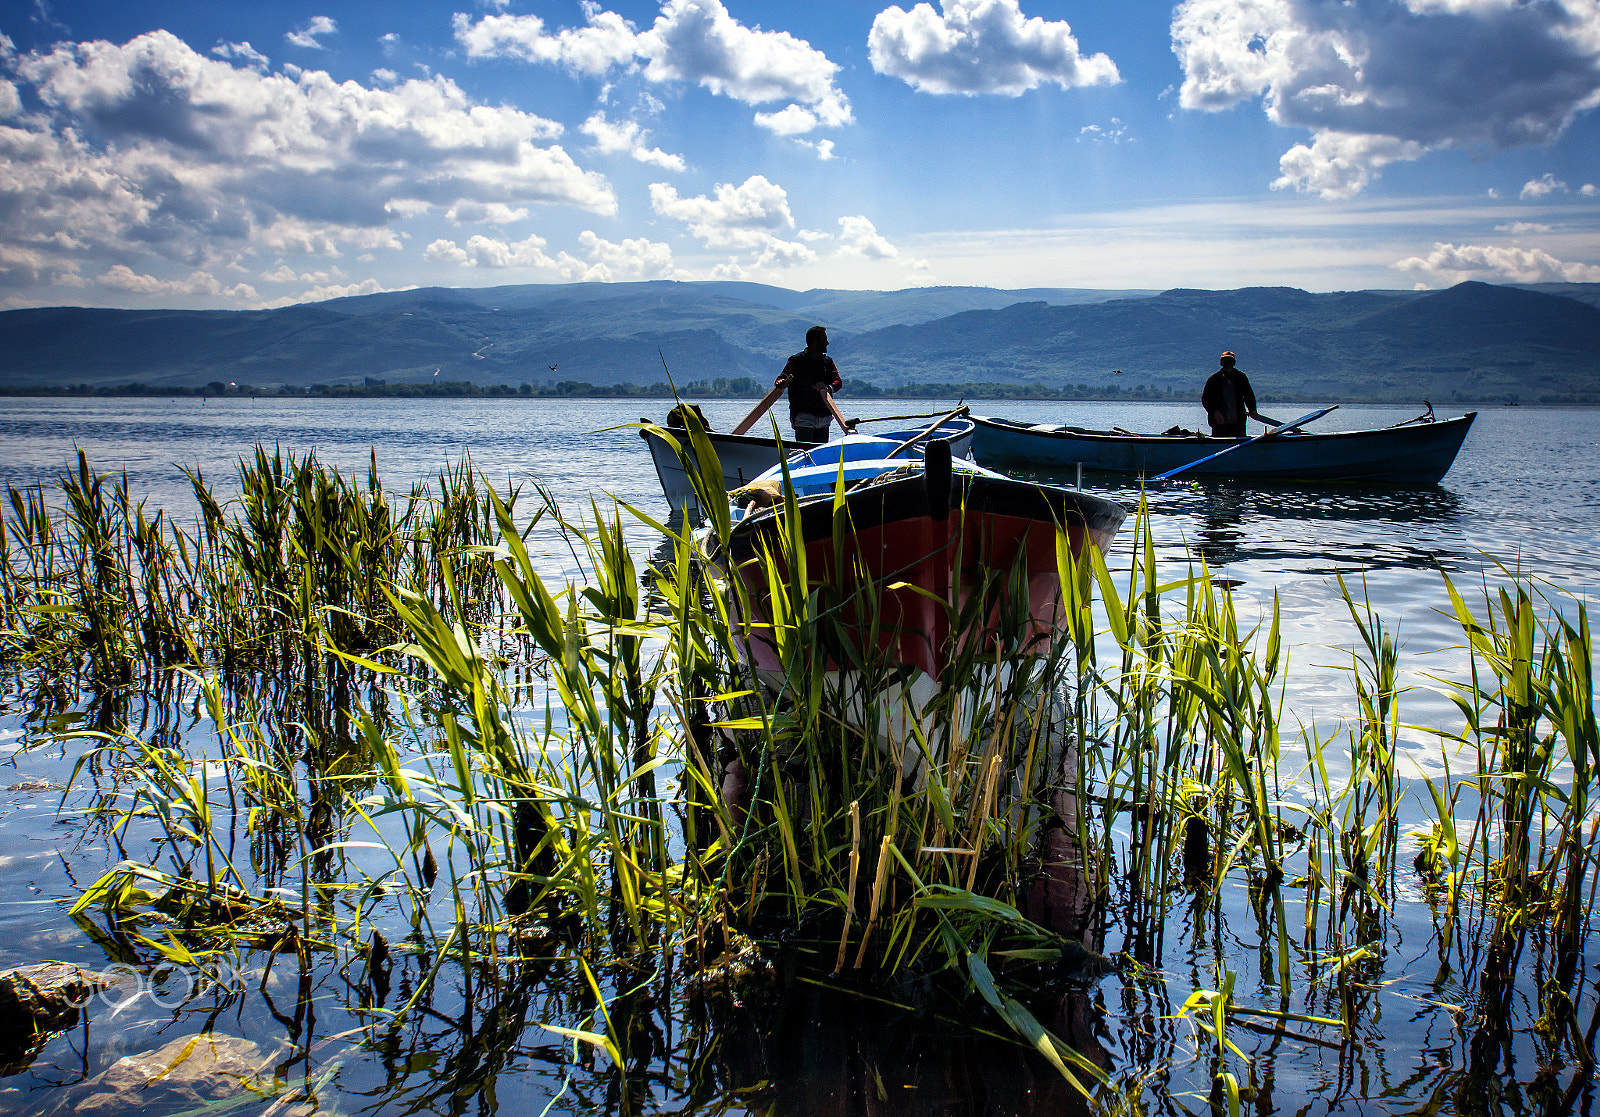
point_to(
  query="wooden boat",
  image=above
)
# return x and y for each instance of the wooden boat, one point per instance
(1420, 451)
(745, 457)
(921, 533)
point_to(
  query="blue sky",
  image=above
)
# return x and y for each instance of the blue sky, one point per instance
(236, 155)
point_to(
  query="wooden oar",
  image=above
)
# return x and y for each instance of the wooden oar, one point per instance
(766, 402)
(1282, 428)
(844, 424)
(937, 423)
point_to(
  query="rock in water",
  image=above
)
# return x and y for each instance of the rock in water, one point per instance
(182, 1075)
(36, 1000)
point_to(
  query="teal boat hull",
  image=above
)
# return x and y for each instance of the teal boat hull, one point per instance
(1412, 454)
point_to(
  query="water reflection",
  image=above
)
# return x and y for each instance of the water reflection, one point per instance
(1314, 529)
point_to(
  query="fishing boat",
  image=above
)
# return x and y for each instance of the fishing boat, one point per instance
(745, 457)
(1418, 451)
(921, 534)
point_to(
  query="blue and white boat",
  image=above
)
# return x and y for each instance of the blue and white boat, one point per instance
(745, 457)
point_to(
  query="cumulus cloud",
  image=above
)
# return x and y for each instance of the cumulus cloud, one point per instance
(153, 151)
(1589, 190)
(694, 42)
(307, 35)
(123, 278)
(627, 137)
(1341, 164)
(635, 258)
(528, 254)
(859, 237)
(1448, 263)
(1383, 80)
(743, 216)
(981, 46)
(244, 52)
(1542, 187)
(479, 213)
(334, 291)
(747, 217)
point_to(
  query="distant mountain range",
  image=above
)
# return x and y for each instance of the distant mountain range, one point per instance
(1474, 341)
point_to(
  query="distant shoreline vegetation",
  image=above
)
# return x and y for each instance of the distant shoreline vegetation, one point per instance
(742, 387)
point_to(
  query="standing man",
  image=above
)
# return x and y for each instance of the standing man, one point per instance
(1228, 400)
(812, 378)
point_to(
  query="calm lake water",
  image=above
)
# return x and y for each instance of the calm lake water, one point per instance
(1523, 492)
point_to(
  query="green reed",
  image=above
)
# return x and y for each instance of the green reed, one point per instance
(298, 560)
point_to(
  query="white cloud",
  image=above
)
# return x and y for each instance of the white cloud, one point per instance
(493, 213)
(744, 216)
(696, 42)
(1449, 263)
(1115, 132)
(307, 35)
(123, 278)
(859, 237)
(1340, 164)
(244, 52)
(981, 46)
(1522, 228)
(747, 218)
(336, 291)
(384, 76)
(1542, 187)
(1384, 80)
(823, 148)
(611, 137)
(529, 254)
(487, 252)
(1589, 190)
(637, 258)
(151, 151)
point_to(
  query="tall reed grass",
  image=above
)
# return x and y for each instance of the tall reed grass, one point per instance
(583, 773)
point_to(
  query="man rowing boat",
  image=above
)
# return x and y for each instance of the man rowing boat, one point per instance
(813, 379)
(1228, 400)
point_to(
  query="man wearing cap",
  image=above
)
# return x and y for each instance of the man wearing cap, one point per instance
(1228, 400)
(813, 378)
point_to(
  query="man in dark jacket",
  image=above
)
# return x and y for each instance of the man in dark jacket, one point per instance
(811, 373)
(1228, 400)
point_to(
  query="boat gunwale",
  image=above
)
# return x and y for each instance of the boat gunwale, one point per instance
(905, 498)
(766, 441)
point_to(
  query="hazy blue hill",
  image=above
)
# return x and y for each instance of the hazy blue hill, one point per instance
(1583, 292)
(1472, 341)
(873, 310)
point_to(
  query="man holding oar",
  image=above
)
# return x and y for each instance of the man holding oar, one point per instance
(1228, 400)
(813, 378)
